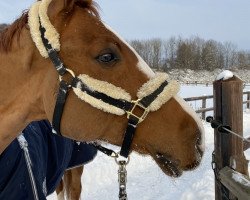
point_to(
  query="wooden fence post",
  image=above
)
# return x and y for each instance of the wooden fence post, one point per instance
(228, 109)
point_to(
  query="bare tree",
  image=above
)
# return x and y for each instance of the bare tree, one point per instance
(230, 54)
(156, 53)
(169, 54)
(193, 53)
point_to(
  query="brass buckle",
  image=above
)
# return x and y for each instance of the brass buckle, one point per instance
(140, 106)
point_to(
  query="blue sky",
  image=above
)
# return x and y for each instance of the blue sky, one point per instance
(222, 20)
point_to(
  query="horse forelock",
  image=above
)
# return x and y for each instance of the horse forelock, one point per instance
(7, 35)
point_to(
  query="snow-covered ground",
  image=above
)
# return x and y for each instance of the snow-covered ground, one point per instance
(145, 179)
(204, 76)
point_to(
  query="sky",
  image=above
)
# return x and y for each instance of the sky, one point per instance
(221, 20)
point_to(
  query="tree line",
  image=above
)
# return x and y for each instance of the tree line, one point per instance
(193, 53)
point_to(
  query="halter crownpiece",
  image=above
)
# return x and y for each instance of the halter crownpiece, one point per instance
(37, 17)
(99, 94)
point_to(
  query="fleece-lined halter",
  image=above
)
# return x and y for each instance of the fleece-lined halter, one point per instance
(99, 94)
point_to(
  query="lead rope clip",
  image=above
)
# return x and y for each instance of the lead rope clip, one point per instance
(122, 178)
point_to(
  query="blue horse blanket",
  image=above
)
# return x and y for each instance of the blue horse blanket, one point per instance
(50, 156)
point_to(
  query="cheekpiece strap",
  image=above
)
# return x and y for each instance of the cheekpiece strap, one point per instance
(60, 102)
(53, 55)
(129, 136)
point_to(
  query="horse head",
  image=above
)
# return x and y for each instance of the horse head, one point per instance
(171, 132)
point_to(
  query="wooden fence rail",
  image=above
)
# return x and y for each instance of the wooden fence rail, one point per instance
(238, 184)
(246, 145)
(204, 99)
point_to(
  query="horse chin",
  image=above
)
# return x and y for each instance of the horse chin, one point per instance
(168, 165)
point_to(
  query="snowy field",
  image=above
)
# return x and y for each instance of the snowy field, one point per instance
(145, 179)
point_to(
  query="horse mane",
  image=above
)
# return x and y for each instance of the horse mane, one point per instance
(6, 36)
(8, 33)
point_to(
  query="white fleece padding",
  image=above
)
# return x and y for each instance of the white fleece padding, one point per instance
(103, 87)
(51, 33)
(33, 21)
(118, 93)
(150, 86)
(39, 11)
(98, 103)
(169, 91)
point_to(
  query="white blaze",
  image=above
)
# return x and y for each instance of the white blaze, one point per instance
(193, 114)
(142, 65)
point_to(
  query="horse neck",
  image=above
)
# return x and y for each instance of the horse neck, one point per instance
(20, 96)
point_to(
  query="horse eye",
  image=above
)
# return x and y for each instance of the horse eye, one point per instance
(107, 58)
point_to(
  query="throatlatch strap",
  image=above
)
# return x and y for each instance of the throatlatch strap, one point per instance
(104, 150)
(128, 138)
(60, 102)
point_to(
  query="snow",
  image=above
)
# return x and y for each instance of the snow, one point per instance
(225, 75)
(145, 179)
(241, 179)
(204, 76)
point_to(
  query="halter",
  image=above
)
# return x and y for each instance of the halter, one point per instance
(151, 96)
(128, 107)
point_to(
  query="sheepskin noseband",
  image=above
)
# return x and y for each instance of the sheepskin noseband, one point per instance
(119, 93)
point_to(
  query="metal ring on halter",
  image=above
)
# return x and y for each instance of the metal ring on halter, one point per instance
(114, 155)
(70, 72)
(122, 159)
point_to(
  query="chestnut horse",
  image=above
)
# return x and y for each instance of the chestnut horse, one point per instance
(171, 132)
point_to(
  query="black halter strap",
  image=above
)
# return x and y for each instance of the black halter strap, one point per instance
(128, 107)
(119, 103)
